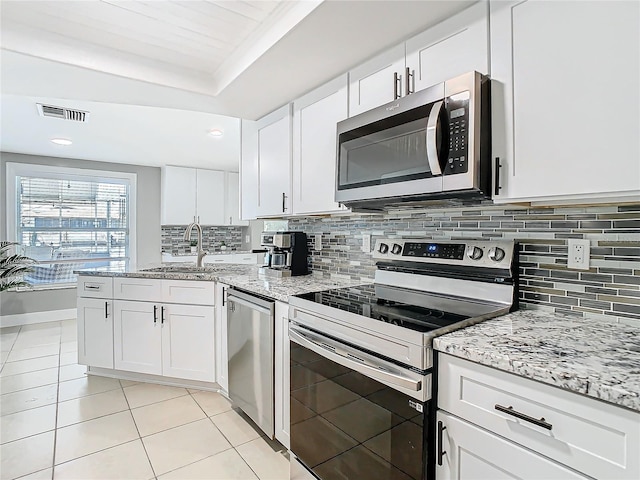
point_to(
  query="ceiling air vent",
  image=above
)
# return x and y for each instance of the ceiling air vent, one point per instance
(63, 113)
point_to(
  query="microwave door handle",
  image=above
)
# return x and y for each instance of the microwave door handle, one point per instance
(432, 147)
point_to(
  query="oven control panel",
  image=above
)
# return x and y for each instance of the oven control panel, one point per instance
(482, 253)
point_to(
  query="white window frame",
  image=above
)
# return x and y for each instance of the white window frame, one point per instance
(14, 170)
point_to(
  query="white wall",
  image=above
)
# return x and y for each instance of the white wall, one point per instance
(148, 243)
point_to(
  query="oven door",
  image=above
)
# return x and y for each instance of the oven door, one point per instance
(395, 150)
(347, 420)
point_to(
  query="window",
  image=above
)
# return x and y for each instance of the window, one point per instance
(69, 219)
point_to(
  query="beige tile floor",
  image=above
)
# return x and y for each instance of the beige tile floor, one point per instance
(58, 423)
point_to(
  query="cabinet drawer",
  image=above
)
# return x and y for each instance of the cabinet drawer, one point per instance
(95, 287)
(593, 437)
(189, 292)
(143, 289)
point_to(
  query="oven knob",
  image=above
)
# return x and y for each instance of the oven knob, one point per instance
(474, 253)
(496, 254)
(384, 248)
(396, 249)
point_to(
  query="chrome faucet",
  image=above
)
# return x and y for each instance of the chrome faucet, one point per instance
(187, 238)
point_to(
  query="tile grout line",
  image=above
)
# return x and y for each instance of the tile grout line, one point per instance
(55, 432)
(144, 447)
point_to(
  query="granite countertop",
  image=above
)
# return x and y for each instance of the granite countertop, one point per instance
(590, 357)
(246, 277)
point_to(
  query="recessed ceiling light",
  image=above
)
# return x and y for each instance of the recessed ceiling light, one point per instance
(216, 132)
(61, 141)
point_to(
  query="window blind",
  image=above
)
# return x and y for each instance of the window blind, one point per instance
(69, 224)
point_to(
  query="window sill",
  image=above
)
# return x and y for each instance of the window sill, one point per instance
(38, 288)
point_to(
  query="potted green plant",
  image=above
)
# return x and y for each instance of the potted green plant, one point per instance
(12, 267)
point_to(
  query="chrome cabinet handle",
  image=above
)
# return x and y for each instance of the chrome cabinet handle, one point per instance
(91, 287)
(155, 314)
(514, 413)
(496, 180)
(224, 294)
(106, 309)
(432, 147)
(397, 85)
(409, 77)
(441, 451)
(284, 197)
(162, 315)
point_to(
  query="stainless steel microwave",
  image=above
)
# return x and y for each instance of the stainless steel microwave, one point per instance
(435, 143)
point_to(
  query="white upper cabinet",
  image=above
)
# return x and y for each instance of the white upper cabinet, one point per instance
(249, 170)
(190, 194)
(455, 46)
(232, 209)
(273, 164)
(315, 117)
(377, 81)
(178, 195)
(566, 100)
(210, 197)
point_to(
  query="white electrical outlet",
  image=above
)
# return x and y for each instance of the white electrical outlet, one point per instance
(366, 243)
(579, 253)
(317, 242)
(247, 238)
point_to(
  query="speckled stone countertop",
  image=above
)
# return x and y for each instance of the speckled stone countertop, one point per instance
(246, 277)
(596, 359)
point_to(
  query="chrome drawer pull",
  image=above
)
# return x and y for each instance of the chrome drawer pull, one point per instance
(88, 286)
(510, 411)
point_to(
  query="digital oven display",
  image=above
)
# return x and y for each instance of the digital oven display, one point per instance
(459, 112)
(453, 251)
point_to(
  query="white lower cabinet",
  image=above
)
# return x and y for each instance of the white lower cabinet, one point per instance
(95, 332)
(188, 342)
(137, 337)
(281, 360)
(467, 452)
(222, 358)
(534, 427)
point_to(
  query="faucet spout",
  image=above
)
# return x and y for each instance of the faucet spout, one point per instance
(187, 237)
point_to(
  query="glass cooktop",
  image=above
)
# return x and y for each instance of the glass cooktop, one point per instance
(417, 311)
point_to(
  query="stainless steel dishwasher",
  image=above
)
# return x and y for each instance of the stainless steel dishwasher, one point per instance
(250, 343)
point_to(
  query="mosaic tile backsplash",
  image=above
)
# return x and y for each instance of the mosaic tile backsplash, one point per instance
(212, 238)
(609, 290)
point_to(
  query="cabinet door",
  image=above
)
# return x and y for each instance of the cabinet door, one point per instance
(315, 117)
(222, 360)
(249, 170)
(178, 195)
(281, 361)
(455, 46)
(566, 99)
(95, 332)
(232, 209)
(274, 163)
(188, 342)
(137, 337)
(372, 83)
(210, 197)
(474, 453)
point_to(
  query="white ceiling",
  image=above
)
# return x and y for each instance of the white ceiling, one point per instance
(136, 59)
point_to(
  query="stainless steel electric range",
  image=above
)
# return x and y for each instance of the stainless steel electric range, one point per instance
(362, 365)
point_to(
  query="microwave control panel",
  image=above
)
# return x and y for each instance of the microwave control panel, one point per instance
(457, 107)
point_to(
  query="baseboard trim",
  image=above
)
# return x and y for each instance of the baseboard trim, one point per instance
(20, 319)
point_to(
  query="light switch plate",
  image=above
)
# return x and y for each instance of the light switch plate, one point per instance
(366, 243)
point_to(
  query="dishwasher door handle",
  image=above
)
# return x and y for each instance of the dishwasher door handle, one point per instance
(376, 373)
(232, 298)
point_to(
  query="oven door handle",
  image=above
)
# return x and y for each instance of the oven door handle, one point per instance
(300, 338)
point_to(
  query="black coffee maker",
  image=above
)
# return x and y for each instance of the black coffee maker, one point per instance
(286, 253)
